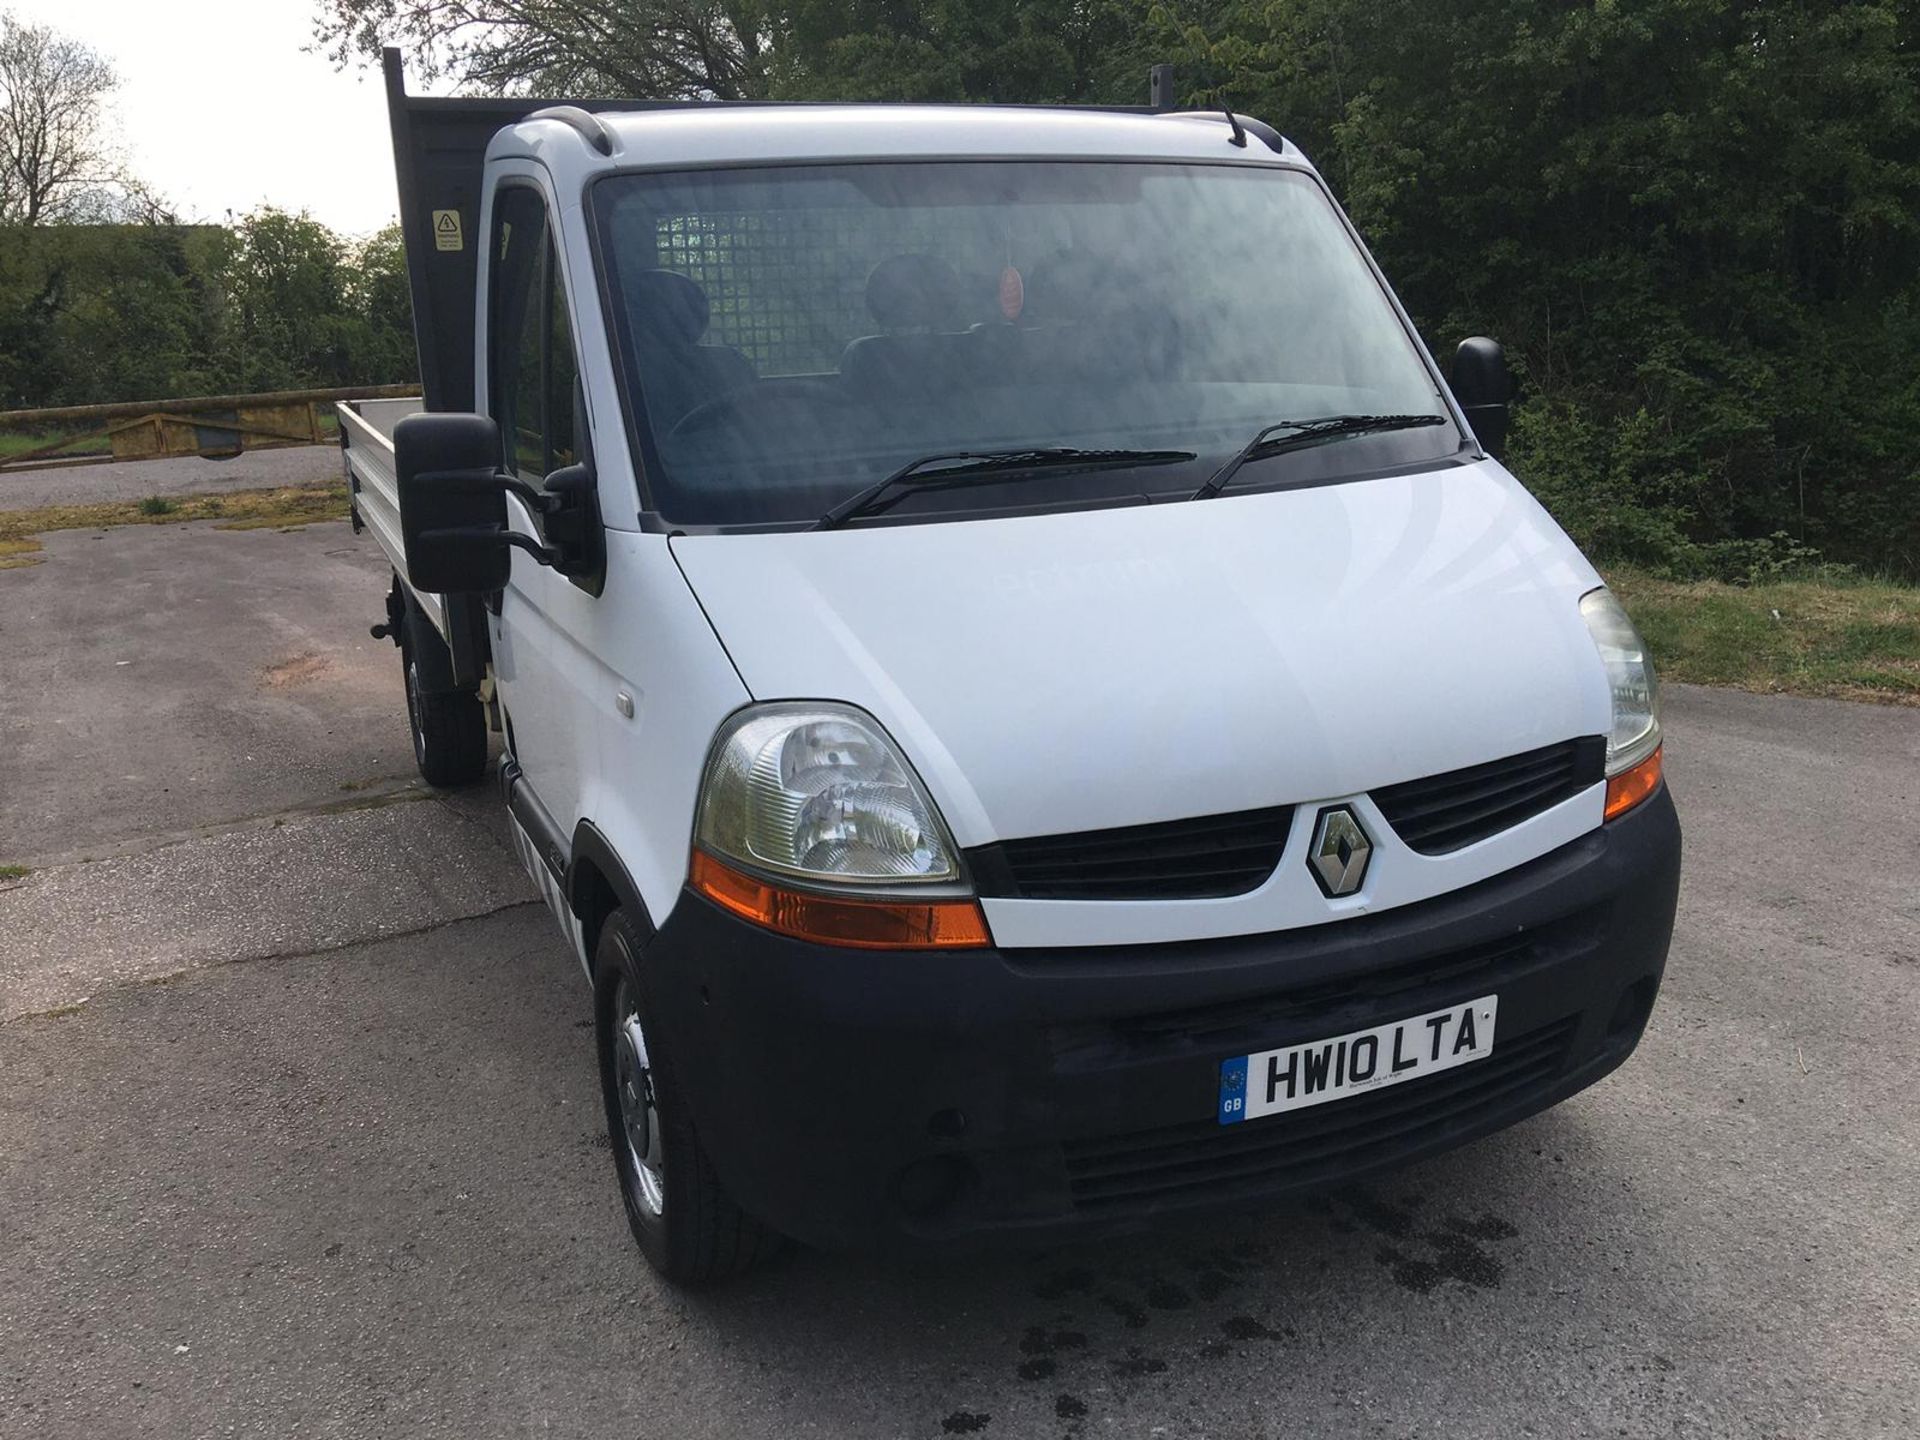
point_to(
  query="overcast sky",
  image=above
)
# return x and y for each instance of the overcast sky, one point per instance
(220, 107)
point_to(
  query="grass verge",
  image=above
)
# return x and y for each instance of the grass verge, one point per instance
(1850, 638)
(13, 872)
(17, 552)
(24, 442)
(277, 509)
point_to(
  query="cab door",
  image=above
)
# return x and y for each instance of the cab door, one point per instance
(534, 396)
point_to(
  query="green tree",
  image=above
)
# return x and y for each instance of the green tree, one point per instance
(1008, 51)
(285, 321)
(1012, 50)
(138, 316)
(381, 306)
(1696, 223)
(94, 313)
(29, 302)
(656, 48)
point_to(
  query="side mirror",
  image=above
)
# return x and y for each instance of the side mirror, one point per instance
(1483, 387)
(453, 508)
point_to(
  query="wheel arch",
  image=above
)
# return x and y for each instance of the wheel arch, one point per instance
(597, 884)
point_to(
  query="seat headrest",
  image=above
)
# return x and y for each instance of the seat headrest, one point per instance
(915, 292)
(668, 303)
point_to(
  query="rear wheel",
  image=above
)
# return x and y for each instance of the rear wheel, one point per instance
(449, 726)
(686, 1225)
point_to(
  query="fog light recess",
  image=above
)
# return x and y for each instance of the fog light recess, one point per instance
(1632, 1010)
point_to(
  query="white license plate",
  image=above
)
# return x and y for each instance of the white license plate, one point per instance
(1274, 1081)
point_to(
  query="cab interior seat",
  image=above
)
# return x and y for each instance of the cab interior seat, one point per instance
(927, 347)
(668, 314)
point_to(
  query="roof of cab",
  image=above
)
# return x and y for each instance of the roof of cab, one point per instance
(737, 134)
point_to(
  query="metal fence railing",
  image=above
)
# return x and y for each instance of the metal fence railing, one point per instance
(210, 425)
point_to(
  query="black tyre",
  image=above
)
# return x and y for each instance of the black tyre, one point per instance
(449, 726)
(688, 1228)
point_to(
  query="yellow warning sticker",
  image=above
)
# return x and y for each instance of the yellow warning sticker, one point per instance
(446, 230)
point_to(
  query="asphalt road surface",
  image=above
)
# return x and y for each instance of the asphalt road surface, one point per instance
(299, 1132)
(182, 475)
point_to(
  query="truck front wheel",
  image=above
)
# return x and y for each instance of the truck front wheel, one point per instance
(687, 1226)
(449, 726)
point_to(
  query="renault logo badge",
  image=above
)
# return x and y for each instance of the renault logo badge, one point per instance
(1340, 851)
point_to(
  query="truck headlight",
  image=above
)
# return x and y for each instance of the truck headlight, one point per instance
(821, 795)
(1633, 744)
(811, 822)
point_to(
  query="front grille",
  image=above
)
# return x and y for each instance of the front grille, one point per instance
(1317, 1144)
(1445, 812)
(1175, 860)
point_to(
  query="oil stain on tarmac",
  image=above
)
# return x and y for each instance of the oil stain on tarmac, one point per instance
(1093, 1345)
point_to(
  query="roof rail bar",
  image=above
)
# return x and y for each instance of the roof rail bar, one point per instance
(592, 129)
(1242, 126)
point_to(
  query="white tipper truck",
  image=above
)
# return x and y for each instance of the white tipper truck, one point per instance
(1034, 703)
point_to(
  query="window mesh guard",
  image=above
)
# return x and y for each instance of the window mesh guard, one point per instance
(788, 288)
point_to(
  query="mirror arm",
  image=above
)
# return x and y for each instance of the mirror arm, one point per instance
(542, 553)
(539, 501)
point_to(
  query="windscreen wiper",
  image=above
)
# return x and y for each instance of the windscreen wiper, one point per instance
(1302, 433)
(961, 467)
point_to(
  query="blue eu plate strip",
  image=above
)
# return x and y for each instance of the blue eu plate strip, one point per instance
(1233, 1090)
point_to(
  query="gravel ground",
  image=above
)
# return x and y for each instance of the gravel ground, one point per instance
(186, 475)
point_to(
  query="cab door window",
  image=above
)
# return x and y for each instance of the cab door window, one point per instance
(534, 380)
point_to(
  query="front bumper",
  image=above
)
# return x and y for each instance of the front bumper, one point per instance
(930, 1099)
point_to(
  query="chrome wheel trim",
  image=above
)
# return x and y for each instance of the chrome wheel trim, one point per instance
(413, 711)
(639, 1115)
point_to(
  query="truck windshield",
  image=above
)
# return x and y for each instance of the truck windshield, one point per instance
(791, 335)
